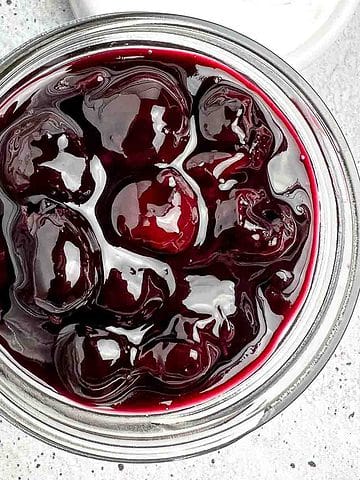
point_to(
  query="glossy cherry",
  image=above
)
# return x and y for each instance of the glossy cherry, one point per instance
(93, 363)
(278, 291)
(160, 213)
(44, 154)
(261, 229)
(133, 296)
(57, 259)
(178, 364)
(231, 119)
(142, 113)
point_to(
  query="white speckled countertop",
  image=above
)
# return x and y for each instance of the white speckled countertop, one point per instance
(318, 436)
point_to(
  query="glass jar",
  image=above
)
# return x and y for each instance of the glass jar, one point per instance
(308, 342)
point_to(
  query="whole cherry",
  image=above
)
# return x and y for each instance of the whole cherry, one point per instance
(159, 213)
(44, 154)
(231, 119)
(142, 114)
(57, 259)
(94, 364)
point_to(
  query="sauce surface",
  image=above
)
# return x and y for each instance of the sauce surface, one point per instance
(158, 228)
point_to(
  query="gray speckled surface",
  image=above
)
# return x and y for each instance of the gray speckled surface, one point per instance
(318, 437)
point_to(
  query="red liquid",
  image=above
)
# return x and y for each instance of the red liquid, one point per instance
(159, 228)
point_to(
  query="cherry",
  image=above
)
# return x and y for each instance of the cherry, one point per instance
(231, 120)
(217, 172)
(275, 293)
(57, 257)
(94, 364)
(159, 213)
(117, 295)
(142, 114)
(201, 329)
(178, 364)
(259, 229)
(44, 154)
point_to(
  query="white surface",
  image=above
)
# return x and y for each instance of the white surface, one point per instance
(322, 426)
(297, 30)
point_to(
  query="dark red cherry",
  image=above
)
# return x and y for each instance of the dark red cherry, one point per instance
(94, 364)
(277, 291)
(216, 173)
(142, 114)
(178, 364)
(135, 296)
(231, 120)
(44, 154)
(57, 259)
(160, 213)
(201, 329)
(260, 229)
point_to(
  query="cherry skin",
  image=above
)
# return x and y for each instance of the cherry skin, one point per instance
(159, 213)
(275, 291)
(178, 364)
(57, 258)
(142, 114)
(94, 364)
(115, 295)
(216, 173)
(231, 120)
(261, 229)
(44, 154)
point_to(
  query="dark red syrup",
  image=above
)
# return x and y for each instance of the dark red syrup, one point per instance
(159, 224)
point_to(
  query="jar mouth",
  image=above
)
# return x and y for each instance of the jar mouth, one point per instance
(305, 348)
